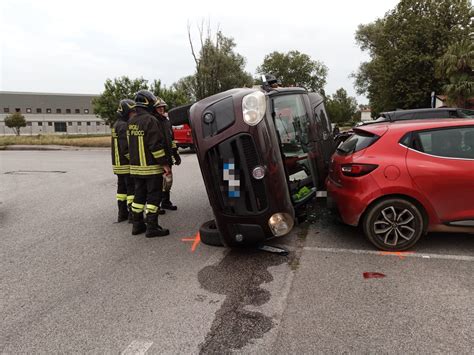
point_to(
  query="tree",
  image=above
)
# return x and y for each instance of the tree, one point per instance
(341, 107)
(115, 90)
(218, 67)
(404, 46)
(187, 85)
(457, 66)
(15, 121)
(295, 69)
(173, 96)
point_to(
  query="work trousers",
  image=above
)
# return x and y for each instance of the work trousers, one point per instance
(125, 188)
(147, 191)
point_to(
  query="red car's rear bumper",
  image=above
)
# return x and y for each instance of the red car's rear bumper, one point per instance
(352, 199)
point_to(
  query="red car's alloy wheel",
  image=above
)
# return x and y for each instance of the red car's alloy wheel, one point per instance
(393, 224)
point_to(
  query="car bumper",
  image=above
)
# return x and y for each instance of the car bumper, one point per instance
(351, 201)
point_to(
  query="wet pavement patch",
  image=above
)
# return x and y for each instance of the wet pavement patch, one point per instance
(29, 172)
(238, 276)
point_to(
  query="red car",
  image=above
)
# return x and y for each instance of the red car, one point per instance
(183, 136)
(401, 180)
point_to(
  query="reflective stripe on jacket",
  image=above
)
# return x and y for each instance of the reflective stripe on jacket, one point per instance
(120, 162)
(146, 145)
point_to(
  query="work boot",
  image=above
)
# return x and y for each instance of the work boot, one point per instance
(153, 229)
(122, 211)
(161, 211)
(138, 225)
(166, 203)
(130, 213)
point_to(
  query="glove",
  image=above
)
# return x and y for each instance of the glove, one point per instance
(177, 158)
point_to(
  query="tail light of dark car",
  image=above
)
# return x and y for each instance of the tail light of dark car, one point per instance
(356, 170)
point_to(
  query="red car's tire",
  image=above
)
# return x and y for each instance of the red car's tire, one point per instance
(393, 224)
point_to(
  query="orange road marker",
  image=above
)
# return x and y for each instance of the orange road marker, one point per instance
(196, 240)
(400, 254)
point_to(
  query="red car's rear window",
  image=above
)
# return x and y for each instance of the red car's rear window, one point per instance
(358, 141)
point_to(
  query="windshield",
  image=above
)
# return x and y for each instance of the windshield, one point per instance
(293, 125)
(291, 121)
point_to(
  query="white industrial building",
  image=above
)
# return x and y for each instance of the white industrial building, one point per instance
(48, 113)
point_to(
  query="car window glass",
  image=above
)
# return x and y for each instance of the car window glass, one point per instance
(356, 142)
(449, 143)
(466, 113)
(406, 140)
(325, 121)
(318, 119)
(404, 116)
(291, 120)
(431, 114)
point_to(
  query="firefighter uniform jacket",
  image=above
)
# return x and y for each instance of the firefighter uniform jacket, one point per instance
(120, 162)
(146, 145)
(170, 144)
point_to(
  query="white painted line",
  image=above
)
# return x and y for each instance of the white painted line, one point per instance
(401, 254)
(321, 194)
(137, 347)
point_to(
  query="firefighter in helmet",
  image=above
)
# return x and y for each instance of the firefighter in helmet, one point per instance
(171, 152)
(120, 160)
(148, 163)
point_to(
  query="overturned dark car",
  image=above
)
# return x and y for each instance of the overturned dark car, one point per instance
(264, 153)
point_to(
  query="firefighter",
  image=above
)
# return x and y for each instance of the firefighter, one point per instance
(120, 160)
(171, 151)
(148, 162)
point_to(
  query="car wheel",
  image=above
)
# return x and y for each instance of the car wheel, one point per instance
(394, 224)
(210, 234)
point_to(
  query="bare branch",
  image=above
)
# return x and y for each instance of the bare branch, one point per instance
(192, 47)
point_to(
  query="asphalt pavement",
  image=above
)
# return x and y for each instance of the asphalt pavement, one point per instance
(72, 280)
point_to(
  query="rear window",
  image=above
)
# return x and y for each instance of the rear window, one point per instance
(466, 113)
(432, 114)
(358, 141)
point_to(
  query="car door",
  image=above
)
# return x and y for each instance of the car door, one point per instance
(321, 136)
(293, 124)
(441, 164)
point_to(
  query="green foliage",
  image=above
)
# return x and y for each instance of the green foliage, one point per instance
(218, 67)
(457, 66)
(173, 96)
(105, 105)
(341, 108)
(187, 85)
(295, 69)
(404, 46)
(15, 121)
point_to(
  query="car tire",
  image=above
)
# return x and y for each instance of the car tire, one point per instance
(210, 234)
(393, 224)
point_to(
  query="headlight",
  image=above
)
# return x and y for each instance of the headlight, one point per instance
(281, 224)
(254, 106)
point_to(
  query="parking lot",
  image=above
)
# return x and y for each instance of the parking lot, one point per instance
(72, 280)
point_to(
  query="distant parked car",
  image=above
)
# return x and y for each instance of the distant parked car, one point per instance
(424, 113)
(409, 115)
(183, 136)
(401, 180)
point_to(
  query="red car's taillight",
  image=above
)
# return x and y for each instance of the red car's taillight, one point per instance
(356, 170)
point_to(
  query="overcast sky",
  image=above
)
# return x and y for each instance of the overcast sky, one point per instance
(73, 46)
